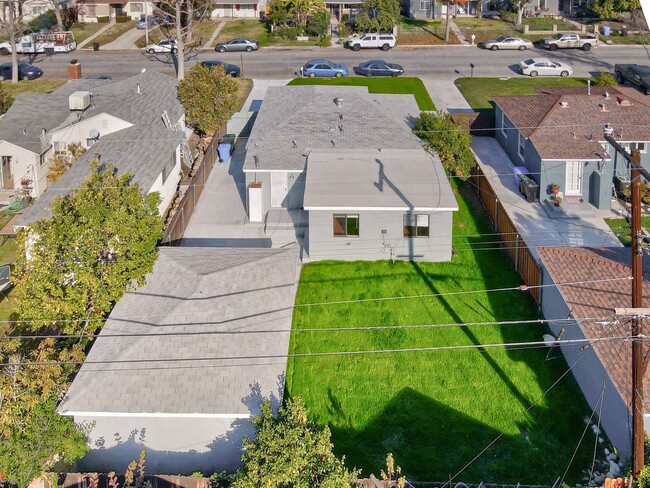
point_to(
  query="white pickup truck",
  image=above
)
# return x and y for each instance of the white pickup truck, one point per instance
(564, 41)
(381, 41)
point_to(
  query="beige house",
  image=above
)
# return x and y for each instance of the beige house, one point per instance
(90, 10)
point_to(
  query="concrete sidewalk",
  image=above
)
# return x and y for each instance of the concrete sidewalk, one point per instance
(90, 39)
(445, 95)
(125, 42)
(214, 35)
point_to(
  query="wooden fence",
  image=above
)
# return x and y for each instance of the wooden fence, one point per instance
(80, 480)
(513, 243)
(183, 210)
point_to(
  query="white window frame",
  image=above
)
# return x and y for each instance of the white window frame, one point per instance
(635, 145)
(346, 217)
(504, 126)
(413, 222)
(137, 7)
(425, 5)
(521, 149)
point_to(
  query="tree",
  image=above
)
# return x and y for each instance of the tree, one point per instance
(290, 451)
(302, 10)
(38, 442)
(10, 16)
(100, 240)
(318, 24)
(378, 15)
(209, 98)
(278, 11)
(60, 163)
(5, 99)
(452, 144)
(608, 9)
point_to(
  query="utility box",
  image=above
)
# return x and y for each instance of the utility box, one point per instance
(602, 190)
(622, 186)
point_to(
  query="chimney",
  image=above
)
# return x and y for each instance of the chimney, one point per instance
(338, 101)
(74, 70)
(624, 102)
(138, 89)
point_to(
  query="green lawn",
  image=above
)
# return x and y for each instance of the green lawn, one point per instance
(422, 32)
(436, 410)
(404, 85)
(83, 31)
(253, 29)
(31, 86)
(622, 230)
(485, 29)
(114, 32)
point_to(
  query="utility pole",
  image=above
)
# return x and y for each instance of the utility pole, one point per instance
(638, 366)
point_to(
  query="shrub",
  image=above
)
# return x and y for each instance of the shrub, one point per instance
(46, 21)
(325, 41)
(345, 18)
(286, 33)
(604, 78)
(122, 19)
(104, 19)
(318, 25)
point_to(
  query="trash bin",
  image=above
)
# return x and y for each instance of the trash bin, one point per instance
(95, 46)
(607, 30)
(226, 147)
(529, 188)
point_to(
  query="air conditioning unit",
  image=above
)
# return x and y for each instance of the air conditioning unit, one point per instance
(79, 100)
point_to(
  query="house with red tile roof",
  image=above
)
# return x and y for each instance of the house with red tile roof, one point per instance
(558, 135)
(586, 285)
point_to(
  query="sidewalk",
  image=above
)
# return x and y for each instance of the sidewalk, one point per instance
(445, 95)
(125, 42)
(90, 39)
(214, 35)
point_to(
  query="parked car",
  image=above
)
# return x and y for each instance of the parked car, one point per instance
(230, 69)
(149, 22)
(544, 67)
(98, 77)
(166, 46)
(508, 42)
(377, 67)
(566, 41)
(238, 44)
(381, 41)
(324, 68)
(634, 73)
(25, 71)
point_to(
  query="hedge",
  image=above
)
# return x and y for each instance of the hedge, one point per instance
(122, 19)
(103, 20)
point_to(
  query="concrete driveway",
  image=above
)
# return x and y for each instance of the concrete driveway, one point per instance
(125, 41)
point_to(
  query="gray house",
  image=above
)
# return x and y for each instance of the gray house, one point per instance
(347, 163)
(558, 135)
(587, 312)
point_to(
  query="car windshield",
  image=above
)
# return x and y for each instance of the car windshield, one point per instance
(529, 61)
(501, 39)
(558, 36)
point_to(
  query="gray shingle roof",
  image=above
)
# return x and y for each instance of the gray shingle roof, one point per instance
(206, 292)
(296, 119)
(351, 179)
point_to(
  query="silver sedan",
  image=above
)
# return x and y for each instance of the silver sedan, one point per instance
(508, 42)
(544, 67)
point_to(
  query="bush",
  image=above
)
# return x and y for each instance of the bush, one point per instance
(104, 19)
(122, 19)
(604, 78)
(46, 21)
(318, 25)
(325, 41)
(286, 33)
(345, 18)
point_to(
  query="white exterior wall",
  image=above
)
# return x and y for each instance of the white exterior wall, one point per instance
(174, 444)
(371, 244)
(246, 10)
(168, 189)
(23, 163)
(80, 132)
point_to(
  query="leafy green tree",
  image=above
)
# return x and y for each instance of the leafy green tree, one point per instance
(452, 144)
(60, 163)
(5, 99)
(318, 24)
(378, 15)
(100, 240)
(302, 10)
(209, 97)
(290, 451)
(608, 9)
(278, 11)
(38, 442)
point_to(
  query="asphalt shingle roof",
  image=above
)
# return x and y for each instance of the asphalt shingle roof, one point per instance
(566, 123)
(296, 119)
(575, 264)
(209, 301)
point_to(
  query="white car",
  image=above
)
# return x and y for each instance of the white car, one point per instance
(508, 42)
(5, 48)
(544, 67)
(381, 41)
(167, 46)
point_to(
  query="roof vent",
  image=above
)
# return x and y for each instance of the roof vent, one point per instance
(624, 102)
(564, 104)
(606, 95)
(608, 129)
(338, 101)
(79, 100)
(603, 108)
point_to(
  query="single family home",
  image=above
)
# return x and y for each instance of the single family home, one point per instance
(558, 136)
(90, 10)
(137, 125)
(346, 161)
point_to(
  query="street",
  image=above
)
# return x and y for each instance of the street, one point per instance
(282, 63)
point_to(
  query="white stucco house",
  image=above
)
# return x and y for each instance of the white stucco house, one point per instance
(137, 125)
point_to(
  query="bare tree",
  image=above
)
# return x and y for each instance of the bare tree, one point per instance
(11, 12)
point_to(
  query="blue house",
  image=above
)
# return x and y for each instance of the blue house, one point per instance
(558, 135)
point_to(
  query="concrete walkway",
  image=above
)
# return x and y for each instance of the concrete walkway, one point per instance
(445, 95)
(90, 39)
(214, 35)
(125, 42)
(541, 224)
(457, 32)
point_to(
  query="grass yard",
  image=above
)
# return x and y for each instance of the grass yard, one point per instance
(622, 229)
(422, 32)
(485, 29)
(31, 86)
(114, 32)
(83, 31)
(403, 85)
(436, 410)
(479, 91)
(253, 29)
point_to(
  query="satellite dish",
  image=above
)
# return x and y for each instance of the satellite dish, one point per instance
(94, 134)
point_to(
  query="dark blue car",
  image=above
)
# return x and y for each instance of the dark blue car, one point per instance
(377, 67)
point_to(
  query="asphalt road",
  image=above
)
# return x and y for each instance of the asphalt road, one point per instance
(278, 63)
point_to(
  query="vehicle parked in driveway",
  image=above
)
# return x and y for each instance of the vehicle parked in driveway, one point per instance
(544, 67)
(381, 41)
(238, 44)
(508, 42)
(566, 41)
(634, 73)
(230, 69)
(25, 71)
(166, 46)
(323, 68)
(378, 67)
(149, 22)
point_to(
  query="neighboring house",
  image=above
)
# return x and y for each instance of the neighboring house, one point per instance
(587, 312)
(184, 361)
(228, 8)
(126, 123)
(558, 135)
(350, 160)
(89, 10)
(435, 9)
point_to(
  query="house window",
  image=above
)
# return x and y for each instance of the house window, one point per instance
(90, 141)
(638, 145)
(504, 125)
(59, 147)
(169, 167)
(522, 146)
(425, 5)
(43, 159)
(6, 162)
(137, 7)
(416, 225)
(90, 11)
(346, 225)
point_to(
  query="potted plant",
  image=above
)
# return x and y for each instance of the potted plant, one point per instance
(555, 188)
(25, 192)
(558, 200)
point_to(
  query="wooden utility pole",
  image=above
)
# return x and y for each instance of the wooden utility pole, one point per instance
(638, 366)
